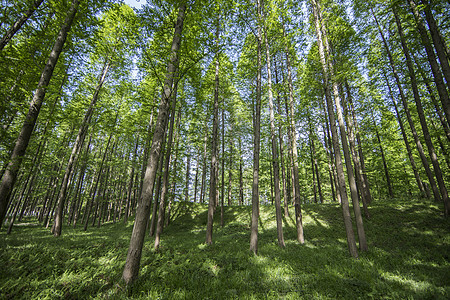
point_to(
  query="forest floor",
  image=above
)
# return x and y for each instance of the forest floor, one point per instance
(408, 257)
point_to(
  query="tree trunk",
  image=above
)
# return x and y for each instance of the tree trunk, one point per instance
(405, 139)
(442, 91)
(155, 196)
(131, 269)
(214, 163)
(230, 164)
(18, 24)
(337, 154)
(351, 137)
(197, 163)
(359, 154)
(10, 174)
(438, 41)
(99, 178)
(188, 171)
(424, 159)
(56, 229)
(423, 123)
(280, 139)
(165, 184)
(274, 142)
(256, 141)
(241, 181)
(174, 169)
(442, 119)
(329, 148)
(222, 193)
(203, 184)
(345, 148)
(383, 158)
(294, 155)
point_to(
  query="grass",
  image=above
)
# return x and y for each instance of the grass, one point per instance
(408, 258)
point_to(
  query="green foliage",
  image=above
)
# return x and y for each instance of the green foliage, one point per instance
(407, 258)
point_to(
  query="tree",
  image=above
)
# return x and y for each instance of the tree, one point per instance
(19, 22)
(10, 175)
(131, 269)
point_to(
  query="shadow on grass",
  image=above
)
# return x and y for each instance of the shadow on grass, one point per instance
(407, 258)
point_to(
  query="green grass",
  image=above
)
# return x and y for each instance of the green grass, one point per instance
(408, 258)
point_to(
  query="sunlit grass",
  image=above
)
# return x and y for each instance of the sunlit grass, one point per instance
(408, 258)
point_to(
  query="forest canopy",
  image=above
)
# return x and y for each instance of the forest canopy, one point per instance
(111, 113)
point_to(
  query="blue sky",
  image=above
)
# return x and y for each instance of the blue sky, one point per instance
(135, 3)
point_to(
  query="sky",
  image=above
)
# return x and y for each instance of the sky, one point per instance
(135, 3)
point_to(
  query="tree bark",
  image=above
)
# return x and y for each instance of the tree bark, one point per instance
(241, 181)
(78, 145)
(337, 154)
(131, 269)
(423, 158)
(405, 139)
(18, 24)
(130, 185)
(294, 154)
(383, 159)
(10, 174)
(188, 171)
(203, 184)
(274, 142)
(222, 192)
(356, 162)
(165, 184)
(423, 123)
(97, 181)
(438, 41)
(442, 91)
(214, 163)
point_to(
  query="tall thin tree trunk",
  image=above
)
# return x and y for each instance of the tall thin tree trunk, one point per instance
(438, 41)
(442, 91)
(131, 269)
(214, 163)
(337, 154)
(405, 139)
(256, 141)
(230, 165)
(241, 181)
(294, 155)
(345, 148)
(356, 162)
(165, 184)
(359, 153)
(329, 148)
(423, 122)
(188, 171)
(10, 174)
(424, 159)
(174, 169)
(425, 79)
(155, 197)
(129, 207)
(203, 184)
(18, 24)
(280, 139)
(197, 163)
(78, 145)
(383, 158)
(222, 192)
(274, 142)
(99, 178)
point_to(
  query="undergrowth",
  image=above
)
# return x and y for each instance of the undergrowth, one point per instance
(408, 258)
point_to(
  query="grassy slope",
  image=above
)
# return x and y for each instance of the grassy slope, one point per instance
(409, 249)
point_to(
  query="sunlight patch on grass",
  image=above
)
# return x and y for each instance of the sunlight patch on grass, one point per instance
(414, 285)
